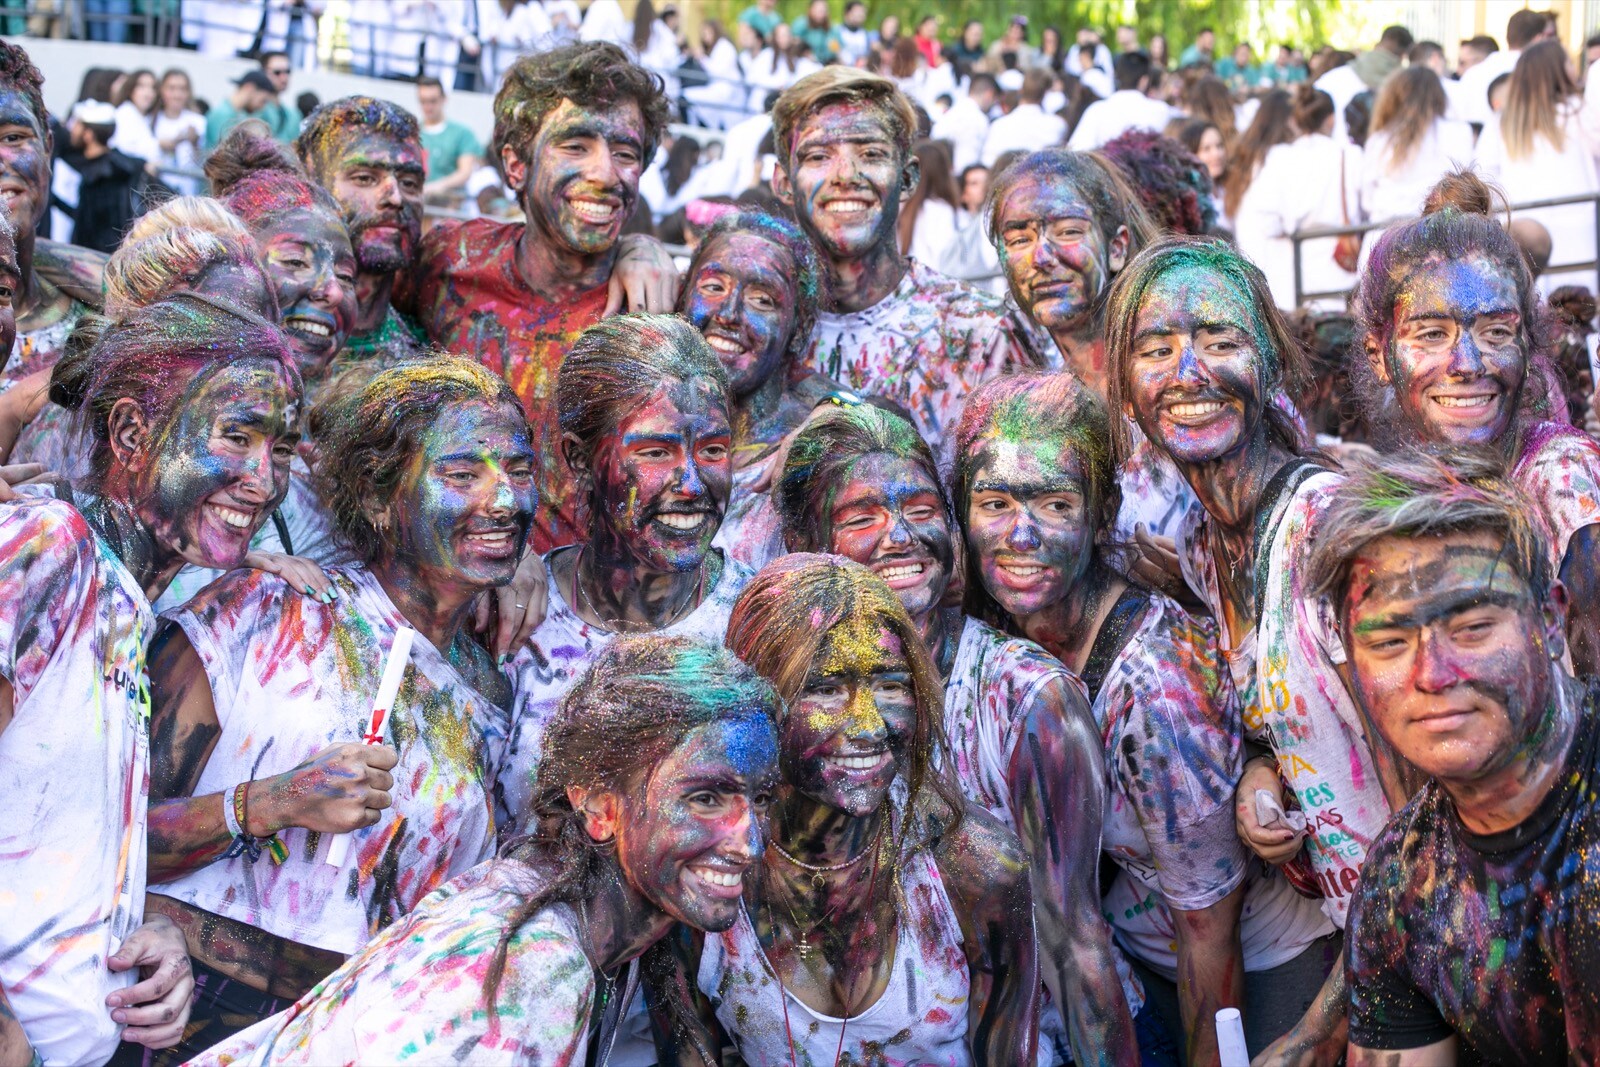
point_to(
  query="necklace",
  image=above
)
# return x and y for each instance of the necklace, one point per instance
(610, 980)
(623, 625)
(818, 881)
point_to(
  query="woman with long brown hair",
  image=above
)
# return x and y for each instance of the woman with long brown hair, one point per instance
(1538, 151)
(1309, 181)
(1208, 99)
(927, 222)
(1410, 144)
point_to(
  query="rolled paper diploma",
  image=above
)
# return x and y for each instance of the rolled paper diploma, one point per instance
(394, 669)
(1230, 1039)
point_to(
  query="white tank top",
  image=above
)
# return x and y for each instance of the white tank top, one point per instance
(921, 1018)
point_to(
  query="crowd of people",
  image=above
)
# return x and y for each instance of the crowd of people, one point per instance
(504, 640)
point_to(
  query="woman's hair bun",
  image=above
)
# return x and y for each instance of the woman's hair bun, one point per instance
(1462, 190)
(247, 149)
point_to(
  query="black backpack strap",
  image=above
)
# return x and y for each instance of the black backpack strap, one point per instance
(283, 532)
(1290, 476)
(1113, 635)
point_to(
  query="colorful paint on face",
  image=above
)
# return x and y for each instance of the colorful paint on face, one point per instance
(240, 285)
(1028, 522)
(1055, 257)
(699, 823)
(662, 477)
(581, 179)
(24, 161)
(461, 515)
(377, 180)
(221, 466)
(1195, 372)
(1457, 359)
(742, 298)
(313, 269)
(846, 179)
(851, 727)
(10, 285)
(1448, 651)
(887, 515)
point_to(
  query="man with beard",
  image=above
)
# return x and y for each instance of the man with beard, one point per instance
(368, 154)
(574, 128)
(1472, 933)
(891, 326)
(59, 282)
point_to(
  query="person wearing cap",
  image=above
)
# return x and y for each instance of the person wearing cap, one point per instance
(252, 92)
(108, 178)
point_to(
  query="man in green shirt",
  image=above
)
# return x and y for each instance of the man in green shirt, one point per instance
(453, 151)
(250, 97)
(763, 17)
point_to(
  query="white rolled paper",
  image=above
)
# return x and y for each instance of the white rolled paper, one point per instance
(394, 671)
(1230, 1038)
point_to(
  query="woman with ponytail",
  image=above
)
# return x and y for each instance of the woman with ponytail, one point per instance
(651, 810)
(1313, 180)
(1458, 353)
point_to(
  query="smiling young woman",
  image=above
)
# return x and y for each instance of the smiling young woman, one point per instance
(191, 410)
(891, 912)
(651, 810)
(262, 694)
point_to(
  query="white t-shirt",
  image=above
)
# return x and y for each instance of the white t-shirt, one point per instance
(414, 994)
(558, 652)
(184, 154)
(1292, 696)
(290, 676)
(1123, 110)
(74, 775)
(752, 530)
(925, 346)
(1027, 128)
(1397, 192)
(1299, 187)
(1559, 469)
(1548, 173)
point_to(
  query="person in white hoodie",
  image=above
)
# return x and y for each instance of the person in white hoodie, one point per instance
(1312, 181)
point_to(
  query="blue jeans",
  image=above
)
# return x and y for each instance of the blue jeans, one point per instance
(102, 29)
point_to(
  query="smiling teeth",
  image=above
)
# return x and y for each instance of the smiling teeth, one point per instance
(906, 570)
(1462, 401)
(722, 878)
(591, 212)
(722, 344)
(682, 522)
(239, 520)
(1199, 407)
(839, 207)
(491, 538)
(316, 329)
(854, 763)
(1026, 570)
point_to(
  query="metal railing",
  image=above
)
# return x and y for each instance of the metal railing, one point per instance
(1299, 237)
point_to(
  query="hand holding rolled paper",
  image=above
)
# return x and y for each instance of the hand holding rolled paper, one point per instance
(394, 670)
(1233, 1052)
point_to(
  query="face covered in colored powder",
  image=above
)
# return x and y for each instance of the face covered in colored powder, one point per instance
(1457, 358)
(1195, 371)
(1056, 259)
(851, 727)
(461, 514)
(208, 480)
(313, 268)
(240, 284)
(846, 179)
(697, 825)
(581, 178)
(1029, 522)
(24, 161)
(377, 179)
(742, 298)
(10, 284)
(662, 477)
(887, 515)
(1449, 653)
